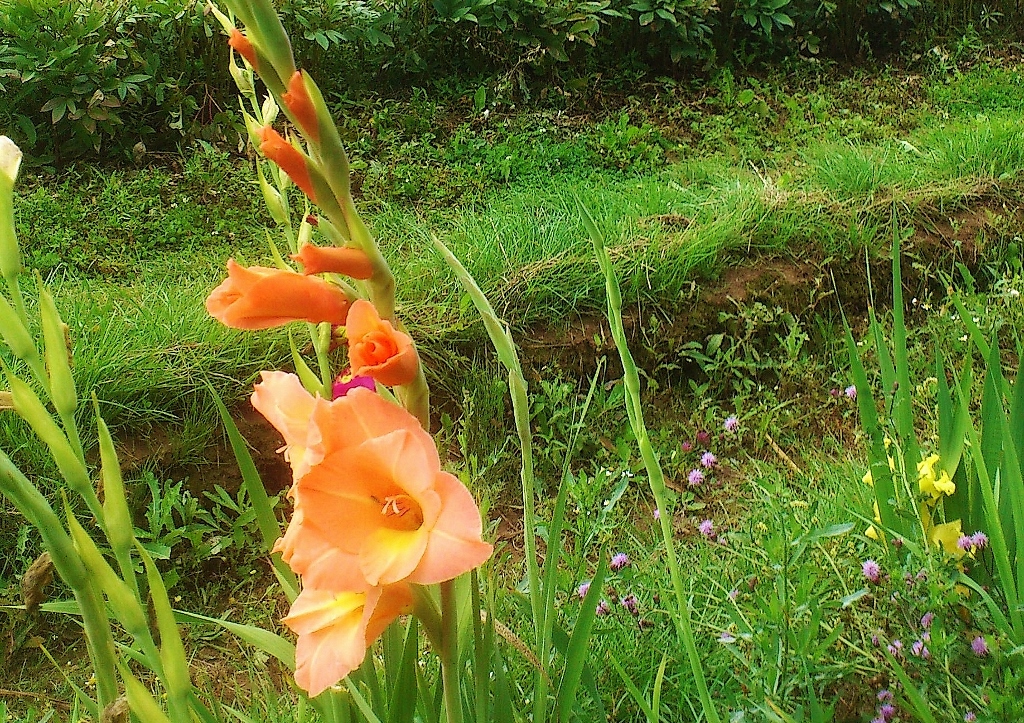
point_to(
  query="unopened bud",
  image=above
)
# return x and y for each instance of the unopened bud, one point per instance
(14, 333)
(10, 162)
(269, 110)
(272, 198)
(242, 78)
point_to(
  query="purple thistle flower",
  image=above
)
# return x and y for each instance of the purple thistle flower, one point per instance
(708, 460)
(731, 424)
(887, 711)
(657, 514)
(876, 642)
(884, 696)
(631, 604)
(980, 540)
(926, 620)
(970, 717)
(695, 478)
(583, 589)
(345, 383)
(603, 608)
(726, 638)
(703, 437)
(920, 650)
(871, 571)
(707, 528)
(922, 575)
(878, 719)
(965, 542)
(834, 392)
(850, 392)
(619, 561)
(733, 594)
(896, 648)
(979, 646)
(686, 446)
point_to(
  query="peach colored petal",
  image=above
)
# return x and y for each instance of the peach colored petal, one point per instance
(334, 260)
(388, 556)
(376, 349)
(336, 629)
(262, 298)
(281, 398)
(386, 483)
(332, 636)
(321, 564)
(288, 158)
(299, 104)
(455, 543)
(363, 414)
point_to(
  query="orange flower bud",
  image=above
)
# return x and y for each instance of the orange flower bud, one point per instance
(288, 159)
(333, 260)
(297, 101)
(243, 47)
(376, 349)
(261, 298)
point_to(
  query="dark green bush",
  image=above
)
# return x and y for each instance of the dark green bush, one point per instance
(81, 76)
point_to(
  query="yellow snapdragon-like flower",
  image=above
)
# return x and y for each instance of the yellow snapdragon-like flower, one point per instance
(933, 485)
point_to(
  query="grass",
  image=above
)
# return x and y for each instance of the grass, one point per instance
(811, 167)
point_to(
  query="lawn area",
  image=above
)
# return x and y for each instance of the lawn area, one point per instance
(747, 218)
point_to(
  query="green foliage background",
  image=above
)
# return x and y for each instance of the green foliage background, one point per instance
(78, 77)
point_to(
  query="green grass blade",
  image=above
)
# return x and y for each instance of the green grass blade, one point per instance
(885, 365)
(402, 708)
(909, 689)
(903, 402)
(579, 644)
(997, 539)
(270, 643)
(884, 488)
(638, 697)
(270, 528)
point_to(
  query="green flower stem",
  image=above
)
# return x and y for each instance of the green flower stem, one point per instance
(656, 476)
(31, 503)
(450, 653)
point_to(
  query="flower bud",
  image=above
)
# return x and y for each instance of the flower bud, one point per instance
(290, 160)
(242, 77)
(300, 105)
(62, 385)
(10, 162)
(272, 198)
(14, 333)
(270, 110)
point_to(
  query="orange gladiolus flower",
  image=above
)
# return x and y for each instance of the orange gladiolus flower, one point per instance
(297, 101)
(288, 158)
(376, 349)
(380, 494)
(377, 503)
(243, 47)
(261, 298)
(334, 260)
(336, 628)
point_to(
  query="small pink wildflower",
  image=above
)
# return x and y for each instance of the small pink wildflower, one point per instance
(707, 528)
(619, 561)
(980, 540)
(708, 460)
(695, 478)
(850, 392)
(731, 424)
(583, 589)
(871, 571)
(979, 646)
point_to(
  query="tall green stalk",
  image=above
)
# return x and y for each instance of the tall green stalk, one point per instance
(634, 409)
